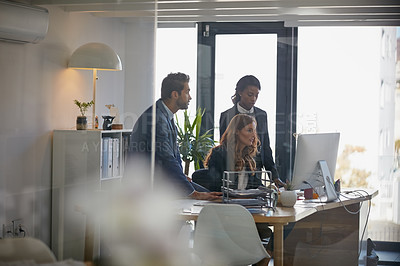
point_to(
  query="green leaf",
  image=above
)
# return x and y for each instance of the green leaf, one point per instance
(199, 115)
(83, 106)
(193, 146)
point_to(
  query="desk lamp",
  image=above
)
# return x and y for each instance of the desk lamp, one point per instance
(95, 56)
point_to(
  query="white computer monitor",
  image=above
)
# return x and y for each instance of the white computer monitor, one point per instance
(315, 162)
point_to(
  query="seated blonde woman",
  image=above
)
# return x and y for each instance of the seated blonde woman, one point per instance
(236, 152)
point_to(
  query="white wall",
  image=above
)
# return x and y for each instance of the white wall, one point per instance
(139, 66)
(37, 93)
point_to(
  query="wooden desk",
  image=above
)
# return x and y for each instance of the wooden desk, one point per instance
(312, 220)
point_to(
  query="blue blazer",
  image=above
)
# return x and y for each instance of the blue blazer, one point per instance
(262, 130)
(167, 154)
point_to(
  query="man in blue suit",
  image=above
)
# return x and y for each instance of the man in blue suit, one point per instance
(175, 95)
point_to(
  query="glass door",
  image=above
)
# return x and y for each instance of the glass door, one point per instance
(229, 51)
(236, 57)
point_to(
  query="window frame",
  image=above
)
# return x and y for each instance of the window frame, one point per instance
(286, 89)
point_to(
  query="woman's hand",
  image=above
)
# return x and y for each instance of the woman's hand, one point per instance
(279, 183)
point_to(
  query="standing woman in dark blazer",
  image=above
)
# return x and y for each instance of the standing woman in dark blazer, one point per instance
(246, 94)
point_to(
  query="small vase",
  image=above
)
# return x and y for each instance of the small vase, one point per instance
(107, 122)
(81, 123)
(288, 198)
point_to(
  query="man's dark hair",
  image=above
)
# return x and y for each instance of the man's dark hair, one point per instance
(173, 82)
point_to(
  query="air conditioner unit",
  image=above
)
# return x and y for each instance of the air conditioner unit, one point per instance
(22, 23)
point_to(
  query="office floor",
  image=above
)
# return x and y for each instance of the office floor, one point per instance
(388, 252)
(388, 257)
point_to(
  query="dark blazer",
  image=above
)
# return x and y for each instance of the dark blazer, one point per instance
(262, 131)
(217, 164)
(167, 154)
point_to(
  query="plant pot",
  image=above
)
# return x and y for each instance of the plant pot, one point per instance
(288, 198)
(81, 122)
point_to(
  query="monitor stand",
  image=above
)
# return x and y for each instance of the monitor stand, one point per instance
(328, 181)
(324, 177)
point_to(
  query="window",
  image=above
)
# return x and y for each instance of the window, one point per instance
(177, 52)
(344, 83)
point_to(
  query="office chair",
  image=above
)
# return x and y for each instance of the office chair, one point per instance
(226, 234)
(22, 249)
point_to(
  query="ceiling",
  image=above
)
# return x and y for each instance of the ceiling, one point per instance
(292, 12)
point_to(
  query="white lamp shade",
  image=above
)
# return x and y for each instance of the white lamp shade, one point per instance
(95, 56)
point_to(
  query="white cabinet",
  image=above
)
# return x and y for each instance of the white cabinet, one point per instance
(82, 166)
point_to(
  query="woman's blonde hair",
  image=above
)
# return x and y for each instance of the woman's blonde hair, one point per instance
(229, 141)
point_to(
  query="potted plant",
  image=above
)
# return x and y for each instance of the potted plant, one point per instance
(81, 121)
(288, 197)
(193, 146)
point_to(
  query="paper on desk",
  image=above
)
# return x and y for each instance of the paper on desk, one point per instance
(184, 205)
